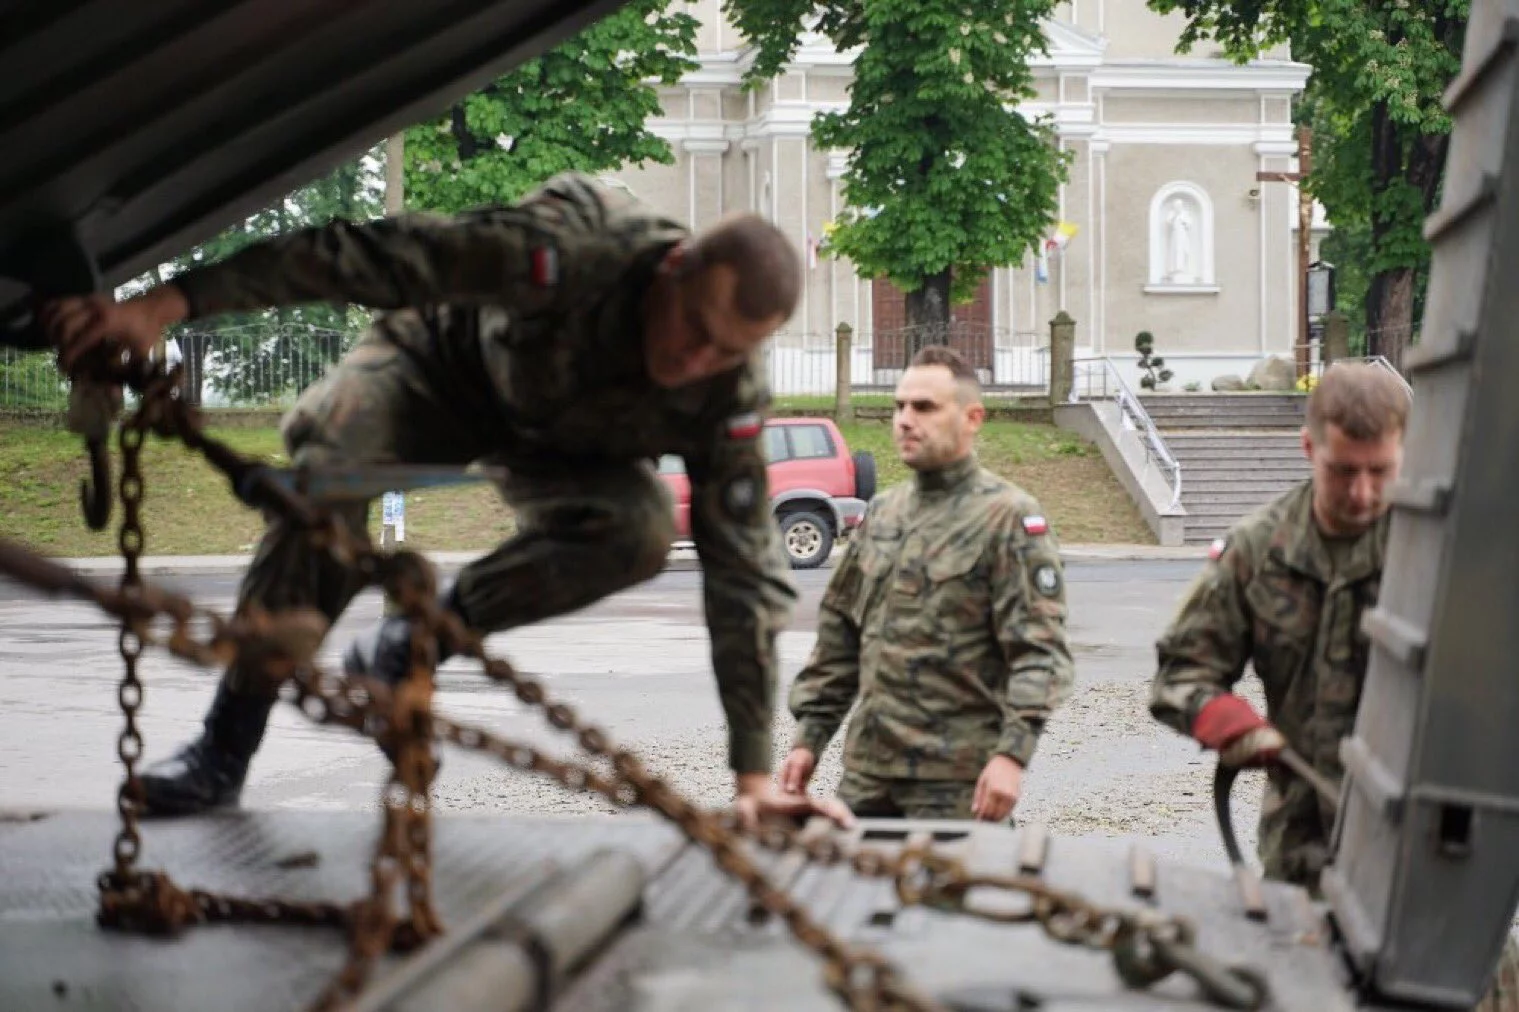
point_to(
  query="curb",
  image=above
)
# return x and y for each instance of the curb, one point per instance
(681, 559)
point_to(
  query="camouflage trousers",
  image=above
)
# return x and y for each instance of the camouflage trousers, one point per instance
(899, 798)
(585, 529)
(1293, 834)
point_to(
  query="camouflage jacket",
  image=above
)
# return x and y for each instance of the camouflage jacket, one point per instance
(1272, 595)
(540, 304)
(946, 617)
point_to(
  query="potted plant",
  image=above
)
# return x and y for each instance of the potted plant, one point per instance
(1156, 375)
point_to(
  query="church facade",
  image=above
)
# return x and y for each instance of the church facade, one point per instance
(1162, 225)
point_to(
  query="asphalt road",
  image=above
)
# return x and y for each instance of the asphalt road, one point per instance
(638, 665)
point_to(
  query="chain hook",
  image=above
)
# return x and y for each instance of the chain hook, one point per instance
(95, 491)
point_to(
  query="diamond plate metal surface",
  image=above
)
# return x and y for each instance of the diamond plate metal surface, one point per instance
(52, 956)
(696, 946)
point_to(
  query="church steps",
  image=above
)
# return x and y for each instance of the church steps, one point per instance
(1237, 452)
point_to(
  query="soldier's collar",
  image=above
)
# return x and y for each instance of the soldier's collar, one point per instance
(1299, 545)
(949, 477)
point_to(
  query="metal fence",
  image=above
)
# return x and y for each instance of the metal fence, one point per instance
(1008, 362)
(268, 367)
(245, 368)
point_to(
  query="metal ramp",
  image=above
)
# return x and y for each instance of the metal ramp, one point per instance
(1426, 872)
(663, 931)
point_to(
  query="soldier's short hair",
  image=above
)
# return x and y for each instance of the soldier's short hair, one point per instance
(1364, 401)
(768, 267)
(964, 376)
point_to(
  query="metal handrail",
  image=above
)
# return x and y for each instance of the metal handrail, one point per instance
(1382, 362)
(1317, 366)
(1130, 407)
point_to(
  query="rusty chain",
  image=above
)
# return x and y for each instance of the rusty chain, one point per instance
(125, 891)
(1146, 947)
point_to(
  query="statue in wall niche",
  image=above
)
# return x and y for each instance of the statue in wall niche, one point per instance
(1179, 242)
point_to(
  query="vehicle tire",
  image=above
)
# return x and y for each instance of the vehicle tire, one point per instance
(865, 475)
(807, 538)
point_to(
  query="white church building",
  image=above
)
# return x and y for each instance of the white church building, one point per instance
(1162, 225)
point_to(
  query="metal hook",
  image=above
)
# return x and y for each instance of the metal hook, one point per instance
(95, 491)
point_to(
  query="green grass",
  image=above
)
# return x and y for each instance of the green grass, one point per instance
(1067, 474)
(189, 510)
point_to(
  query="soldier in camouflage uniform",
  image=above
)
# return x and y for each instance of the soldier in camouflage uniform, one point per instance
(945, 618)
(1286, 589)
(574, 337)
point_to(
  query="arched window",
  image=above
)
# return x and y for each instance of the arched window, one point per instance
(1181, 240)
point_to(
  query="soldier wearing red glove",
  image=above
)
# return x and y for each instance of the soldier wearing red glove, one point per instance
(1285, 591)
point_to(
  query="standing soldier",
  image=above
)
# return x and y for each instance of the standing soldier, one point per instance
(946, 618)
(1286, 589)
(573, 337)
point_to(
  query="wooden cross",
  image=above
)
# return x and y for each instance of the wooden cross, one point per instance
(1304, 234)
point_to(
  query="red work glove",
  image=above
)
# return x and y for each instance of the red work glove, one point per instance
(1241, 737)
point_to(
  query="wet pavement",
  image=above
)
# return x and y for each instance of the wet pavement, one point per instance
(638, 664)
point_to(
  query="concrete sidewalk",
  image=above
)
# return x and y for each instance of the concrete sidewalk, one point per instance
(681, 558)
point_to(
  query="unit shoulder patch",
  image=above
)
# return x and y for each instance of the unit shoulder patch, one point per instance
(1046, 580)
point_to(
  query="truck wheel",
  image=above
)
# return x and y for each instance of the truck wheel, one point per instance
(808, 539)
(864, 475)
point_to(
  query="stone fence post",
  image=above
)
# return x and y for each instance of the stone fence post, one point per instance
(1062, 357)
(1336, 337)
(843, 373)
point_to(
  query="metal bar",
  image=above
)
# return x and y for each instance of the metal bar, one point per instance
(1129, 404)
(1325, 787)
(1141, 872)
(1451, 216)
(1033, 848)
(1399, 637)
(542, 934)
(448, 945)
(1469, 82)
(1428, 355)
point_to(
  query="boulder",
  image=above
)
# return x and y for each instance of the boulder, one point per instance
(1228, 384)
(1274, 373)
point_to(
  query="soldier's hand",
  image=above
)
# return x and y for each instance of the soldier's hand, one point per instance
(77, 324)
(997, 789)
(1241, 737)
(796, 771)
(759, 801)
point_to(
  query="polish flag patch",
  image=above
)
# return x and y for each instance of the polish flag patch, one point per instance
(745, 426)
(1035, 525)
(1216, 549)
(544, 266)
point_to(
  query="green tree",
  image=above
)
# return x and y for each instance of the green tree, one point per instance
(1379, 70)
(946, 180)
(253, 357)
(579, 107)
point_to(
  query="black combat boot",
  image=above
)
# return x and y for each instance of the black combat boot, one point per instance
(384, 653)
(209, 772)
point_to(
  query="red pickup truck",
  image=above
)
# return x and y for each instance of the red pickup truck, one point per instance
(818, 489)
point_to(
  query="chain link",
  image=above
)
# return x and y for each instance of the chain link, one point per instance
(126, 894)
(1145, 946)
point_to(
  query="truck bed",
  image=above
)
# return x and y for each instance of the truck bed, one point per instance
(692, 943)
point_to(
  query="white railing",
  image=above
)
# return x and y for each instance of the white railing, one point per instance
(1380, 362)
(1317, 365)
(1008, 362)
(1099, 379)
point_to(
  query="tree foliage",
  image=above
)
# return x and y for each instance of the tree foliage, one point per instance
(248, 357)
(945, 180)
(581, 106)
(1379, 70)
